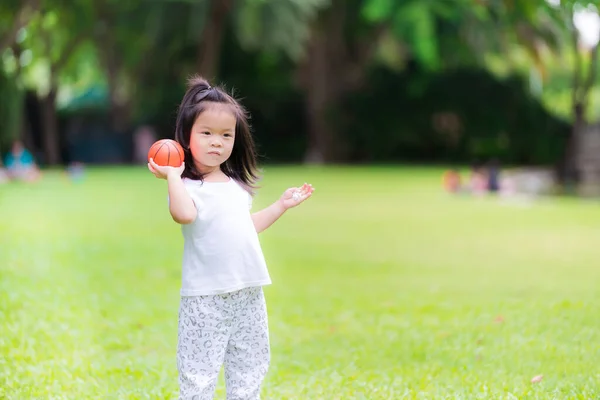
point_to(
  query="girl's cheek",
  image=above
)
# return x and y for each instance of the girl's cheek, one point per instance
(195, 148)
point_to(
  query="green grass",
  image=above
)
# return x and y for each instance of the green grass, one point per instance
(384, 288)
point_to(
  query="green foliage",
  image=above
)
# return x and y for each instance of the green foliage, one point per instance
(151, 47)
(50, 42)
(14, 14)
(276, 25)
(454, 116)
(8, 11)
(417, 23)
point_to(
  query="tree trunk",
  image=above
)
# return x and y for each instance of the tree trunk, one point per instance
(209, 47)
(320, 98)
(51, 137)
(119, 107)
(25, 130)
(12, 112)
(323, 77)
(50, 128)
(111, 60)
(569, 170)
(335, 65)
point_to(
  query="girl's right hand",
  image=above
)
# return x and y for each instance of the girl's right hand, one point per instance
(164, 172)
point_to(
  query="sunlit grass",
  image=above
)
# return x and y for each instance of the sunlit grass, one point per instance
(384, 288)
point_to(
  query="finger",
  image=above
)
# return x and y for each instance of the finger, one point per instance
(151, 168)
(154, 165)
(303, 198)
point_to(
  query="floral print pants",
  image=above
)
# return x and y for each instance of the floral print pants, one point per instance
(229, 329)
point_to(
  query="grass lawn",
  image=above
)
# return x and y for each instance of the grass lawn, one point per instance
(384, 288)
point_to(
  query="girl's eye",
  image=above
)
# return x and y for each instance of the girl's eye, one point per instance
(206, 133)
(227, 135)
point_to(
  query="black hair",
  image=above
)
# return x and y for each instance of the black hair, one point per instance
(242, 164)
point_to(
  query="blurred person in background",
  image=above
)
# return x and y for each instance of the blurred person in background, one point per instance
(478, 181)
(452, 181)
(20, 164)
(143, 138)
(493, 176)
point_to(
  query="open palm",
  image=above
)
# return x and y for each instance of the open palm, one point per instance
(296, 195)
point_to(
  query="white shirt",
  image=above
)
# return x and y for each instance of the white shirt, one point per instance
(221, 250)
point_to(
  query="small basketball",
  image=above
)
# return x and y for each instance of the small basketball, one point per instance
(166, 152)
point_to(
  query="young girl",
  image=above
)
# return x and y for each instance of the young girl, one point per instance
(222, 314)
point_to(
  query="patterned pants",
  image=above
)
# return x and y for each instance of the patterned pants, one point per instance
(230, 329)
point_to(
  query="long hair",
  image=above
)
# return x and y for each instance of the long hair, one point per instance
(242, 164)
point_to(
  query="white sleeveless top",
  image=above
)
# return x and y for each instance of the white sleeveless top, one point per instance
(221, 250)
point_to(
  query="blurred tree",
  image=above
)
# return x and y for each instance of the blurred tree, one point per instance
(450, 34)
(340, 48)
(124, 36)
(134, 43)
(276, 25)
(460, 115)
(14, 16)
(52, 37)
(144, 49)
(349, 37)
(353, 35)
(444, 35)
(11, 110)
(536, 26)
(583, 80)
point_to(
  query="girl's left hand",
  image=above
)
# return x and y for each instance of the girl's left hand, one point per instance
(294, 196)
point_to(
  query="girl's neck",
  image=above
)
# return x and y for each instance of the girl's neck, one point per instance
(213, 174)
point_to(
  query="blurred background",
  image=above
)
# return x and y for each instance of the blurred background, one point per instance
(465, 82)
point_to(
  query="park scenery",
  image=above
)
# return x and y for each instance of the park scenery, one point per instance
(449, 249)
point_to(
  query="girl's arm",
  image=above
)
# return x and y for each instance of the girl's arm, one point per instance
(181, 206)
(266, 217)
(290, 198)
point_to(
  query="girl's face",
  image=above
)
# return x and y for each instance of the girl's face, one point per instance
(212, 138)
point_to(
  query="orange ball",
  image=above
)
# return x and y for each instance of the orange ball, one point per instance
(166, 152)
